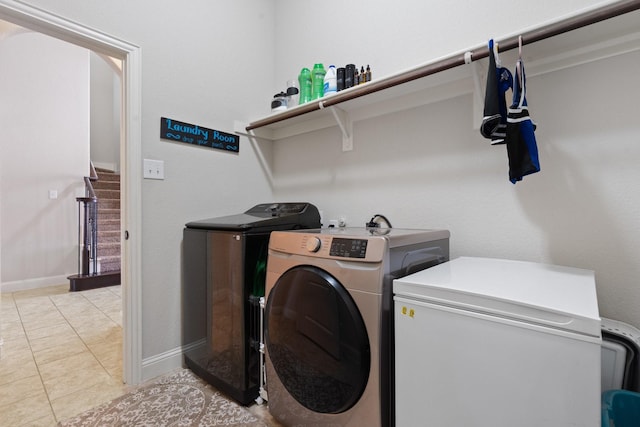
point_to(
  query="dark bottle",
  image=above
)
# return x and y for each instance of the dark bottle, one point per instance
(349, 75)
(340, 73)
(368, 74)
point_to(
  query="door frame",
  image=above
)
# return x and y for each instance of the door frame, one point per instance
(130, 159)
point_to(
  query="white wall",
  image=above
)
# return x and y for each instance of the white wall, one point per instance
(211, 63)
(429, 167)
(393, 36)
(105, 91)
(207, 63)
(44, 119)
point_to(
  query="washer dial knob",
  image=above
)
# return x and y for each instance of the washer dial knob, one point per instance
(314, 244)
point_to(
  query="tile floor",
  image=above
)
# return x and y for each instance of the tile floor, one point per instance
(62, 353)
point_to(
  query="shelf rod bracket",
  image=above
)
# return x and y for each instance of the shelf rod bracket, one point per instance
(240, 128)
(478, 100)
(345, 124)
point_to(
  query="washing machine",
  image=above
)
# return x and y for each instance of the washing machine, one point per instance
(329, 321)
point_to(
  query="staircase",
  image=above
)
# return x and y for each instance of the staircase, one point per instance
(107, 191)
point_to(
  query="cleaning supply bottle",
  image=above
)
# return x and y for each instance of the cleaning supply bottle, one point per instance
(331, 81)
(305, 86)
(317, 81)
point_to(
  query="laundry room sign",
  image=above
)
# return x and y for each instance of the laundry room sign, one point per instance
(174, 130)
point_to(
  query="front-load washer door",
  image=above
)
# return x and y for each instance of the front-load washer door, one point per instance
(317, 340)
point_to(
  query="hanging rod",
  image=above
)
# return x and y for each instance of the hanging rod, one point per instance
(550, 30)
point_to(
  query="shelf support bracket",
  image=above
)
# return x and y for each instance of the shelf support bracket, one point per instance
(240, 129)
(346, 126)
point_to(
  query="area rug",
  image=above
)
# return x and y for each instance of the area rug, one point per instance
(179, 399)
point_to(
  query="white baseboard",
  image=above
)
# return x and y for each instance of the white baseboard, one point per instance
(166, 362)
(40, 282)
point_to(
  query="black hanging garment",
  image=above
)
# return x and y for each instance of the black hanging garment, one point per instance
(499, 80)
(520, 137)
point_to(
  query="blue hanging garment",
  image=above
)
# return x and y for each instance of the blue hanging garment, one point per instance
(499, 80)
(520, 137)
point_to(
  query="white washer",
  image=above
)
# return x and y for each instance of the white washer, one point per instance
(329, 321)
(488, 342)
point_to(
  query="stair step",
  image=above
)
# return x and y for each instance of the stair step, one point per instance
(106, 185)
(109, 263)
(108, 249)
(108, 213)
(107, 194)
(108, 236)
(108, 204)
(108, 224)
(106, 172)
(108, 175)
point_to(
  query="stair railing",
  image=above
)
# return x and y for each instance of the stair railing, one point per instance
(88, 228)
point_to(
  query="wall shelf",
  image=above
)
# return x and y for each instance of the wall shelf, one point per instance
(612, 30)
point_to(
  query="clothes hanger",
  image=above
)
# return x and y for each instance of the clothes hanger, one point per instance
(519, 62)
(520, 47)
(496, 55)
(520, 73)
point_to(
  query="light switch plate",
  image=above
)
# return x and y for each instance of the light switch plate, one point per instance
(153, 169)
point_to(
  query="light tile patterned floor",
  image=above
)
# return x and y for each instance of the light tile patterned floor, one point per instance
(62, 353)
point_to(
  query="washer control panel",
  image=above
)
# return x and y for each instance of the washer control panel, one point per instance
(358, 246)
(348, 248)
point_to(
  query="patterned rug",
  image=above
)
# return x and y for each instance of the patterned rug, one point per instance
(180, 399)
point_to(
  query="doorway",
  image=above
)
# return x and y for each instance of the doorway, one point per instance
(130, 158)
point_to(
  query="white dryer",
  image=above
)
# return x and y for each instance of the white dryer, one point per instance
(329, 321)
